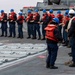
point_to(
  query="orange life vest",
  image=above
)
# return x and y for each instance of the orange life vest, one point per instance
(44, 17)
(60, 17)
(29, 17)
(22, 19)
(50, 32)
(3, 15)
(12, 16)
(51, 15)
(35, 16)
(0, 18)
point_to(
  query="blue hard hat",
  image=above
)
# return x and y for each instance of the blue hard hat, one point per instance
(66, 12)
(36, 10)
(11, 10)
(58, 12)
(29, 11)
(51, 11)
(2, 11)
(56, 20)
(20, 13)
(44, 10)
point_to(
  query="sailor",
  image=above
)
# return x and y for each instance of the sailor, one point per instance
(29, 24)
(71, 35)
(12, 22)
(44, 21)
(20, 21)
(64, 25)
(51, 15)
(60, 17)
(36, 26)
(3, 20)
(52, 38)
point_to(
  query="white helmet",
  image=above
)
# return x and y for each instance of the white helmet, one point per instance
(71, 11)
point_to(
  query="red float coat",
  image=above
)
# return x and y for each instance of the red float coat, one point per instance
(50, 32)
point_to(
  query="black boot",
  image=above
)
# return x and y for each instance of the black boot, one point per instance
(72, 65)
(53, 67)
(28, 37)
(70, 54)
(39, 38)
(43, 39)
(21, 37)
(9, 36)
(5, 36)
(47, 65)
(33, 37)
(2, 35)
(69, 46)
(18, 37)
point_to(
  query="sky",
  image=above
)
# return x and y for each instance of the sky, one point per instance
(6, 5)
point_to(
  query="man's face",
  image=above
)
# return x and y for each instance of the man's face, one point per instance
(71, 15)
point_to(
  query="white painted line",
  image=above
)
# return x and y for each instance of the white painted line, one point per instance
(19, 61)
(6, 65)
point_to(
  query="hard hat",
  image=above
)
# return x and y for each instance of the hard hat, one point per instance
(58, 12)
(2, 11)
(29, 11)
(20, 13)
(66, 12)
(36, 10)
(51, 11)
(56, 20)
(44, 10)
(71, 11)
(11, 10)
